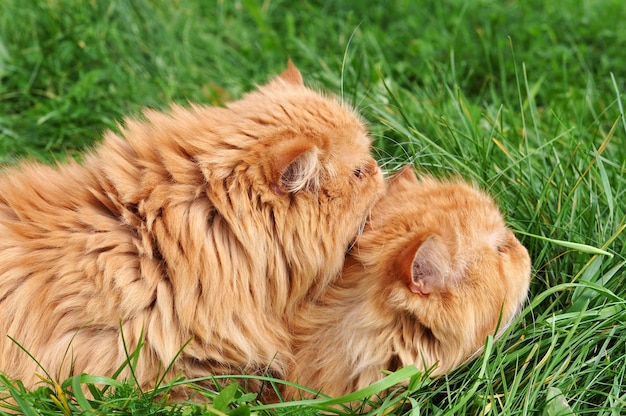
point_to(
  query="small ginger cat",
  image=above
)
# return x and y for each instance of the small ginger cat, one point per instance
(435, 272)
(202, 225)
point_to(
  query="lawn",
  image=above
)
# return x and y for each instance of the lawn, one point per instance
(524, 98)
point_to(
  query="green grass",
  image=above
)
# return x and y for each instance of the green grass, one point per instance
(525, 98)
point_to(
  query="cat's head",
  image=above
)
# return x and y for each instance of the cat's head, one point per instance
(306, 140)
(447, 265)
(306, 157)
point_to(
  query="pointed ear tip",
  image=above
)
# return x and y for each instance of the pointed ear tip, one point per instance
(407, 170)
(292, 74)
(405, 173)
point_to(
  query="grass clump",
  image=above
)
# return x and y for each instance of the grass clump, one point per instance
(524, 98)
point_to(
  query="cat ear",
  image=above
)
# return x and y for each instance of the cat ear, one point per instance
(294, 167)
(430, 267)
(291, 74)
(405, 177)
(406, 173)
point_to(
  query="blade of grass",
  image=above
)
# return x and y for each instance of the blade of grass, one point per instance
(583, 248)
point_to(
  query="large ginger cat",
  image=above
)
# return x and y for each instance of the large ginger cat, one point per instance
(206, 225)
(435, 272)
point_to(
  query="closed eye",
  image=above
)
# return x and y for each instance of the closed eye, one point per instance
(366, 169)
(503, 248)
(506, 245)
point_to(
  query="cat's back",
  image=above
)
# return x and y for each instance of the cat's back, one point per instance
(36, 186)
(37, 200)
(56, 233)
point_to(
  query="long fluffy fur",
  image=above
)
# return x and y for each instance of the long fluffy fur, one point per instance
(203, 225)
(435, 272)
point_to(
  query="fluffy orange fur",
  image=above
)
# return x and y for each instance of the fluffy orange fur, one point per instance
(435, 272)
(203, 224)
